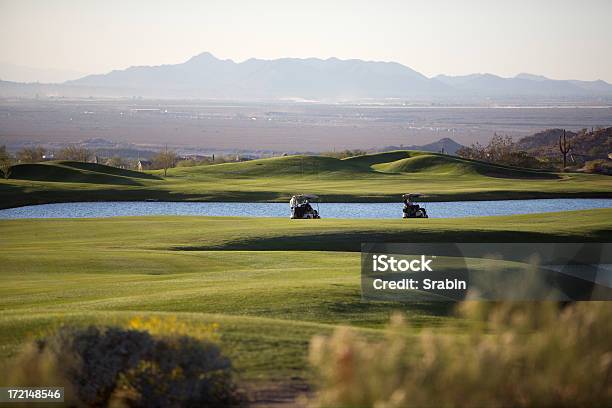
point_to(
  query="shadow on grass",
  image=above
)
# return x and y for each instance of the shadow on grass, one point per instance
(101, 168)
(65, 174)
(375, 313)
(351, 241)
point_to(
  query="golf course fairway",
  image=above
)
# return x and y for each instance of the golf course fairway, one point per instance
(269, 284)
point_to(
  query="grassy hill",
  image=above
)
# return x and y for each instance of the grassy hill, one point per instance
(277, 166)
(433, 163)
(77, 172)
(271, 284)
(372, 177)
(400, 161)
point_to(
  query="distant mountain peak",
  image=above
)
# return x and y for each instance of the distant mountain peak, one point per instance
(531, 77)
(202, 57)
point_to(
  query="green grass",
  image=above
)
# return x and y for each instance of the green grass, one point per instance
(270, 283)
(375, 177)
(455, 166)
(78, 172)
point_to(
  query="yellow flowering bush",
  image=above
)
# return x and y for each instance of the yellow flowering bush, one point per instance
(172, 326)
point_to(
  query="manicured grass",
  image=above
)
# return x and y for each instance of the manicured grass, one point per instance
(268, 304)
(377, 177)
(223, 233)
(270, 283)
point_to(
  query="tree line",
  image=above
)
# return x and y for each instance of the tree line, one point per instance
(501, 150)
(567, 153)
(162, 160)
(36, 154)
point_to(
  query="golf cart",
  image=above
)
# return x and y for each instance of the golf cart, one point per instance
(411, 208)
(301, 208)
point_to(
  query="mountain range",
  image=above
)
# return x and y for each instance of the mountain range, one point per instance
(207, 77)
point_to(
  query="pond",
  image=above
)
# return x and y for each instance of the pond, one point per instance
(327, 210)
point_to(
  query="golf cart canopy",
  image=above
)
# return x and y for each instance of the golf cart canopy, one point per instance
(304, 197)
(411, 195)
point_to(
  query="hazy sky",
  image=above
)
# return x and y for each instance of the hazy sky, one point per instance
(562, 39)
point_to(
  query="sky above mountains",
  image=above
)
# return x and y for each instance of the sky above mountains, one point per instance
(560, 39)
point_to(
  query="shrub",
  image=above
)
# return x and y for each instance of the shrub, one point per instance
(164, 159)
(601, 166)
(75, 153)
(512, 355)
(501, 150)
(30, 154)
(6, 161)
(116, 366)
(170, 325)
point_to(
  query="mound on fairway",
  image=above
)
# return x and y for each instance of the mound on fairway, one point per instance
(101, 168)
(77, 172)
(277, 166)
(379, 158)
(401, 161)
(451, 165)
